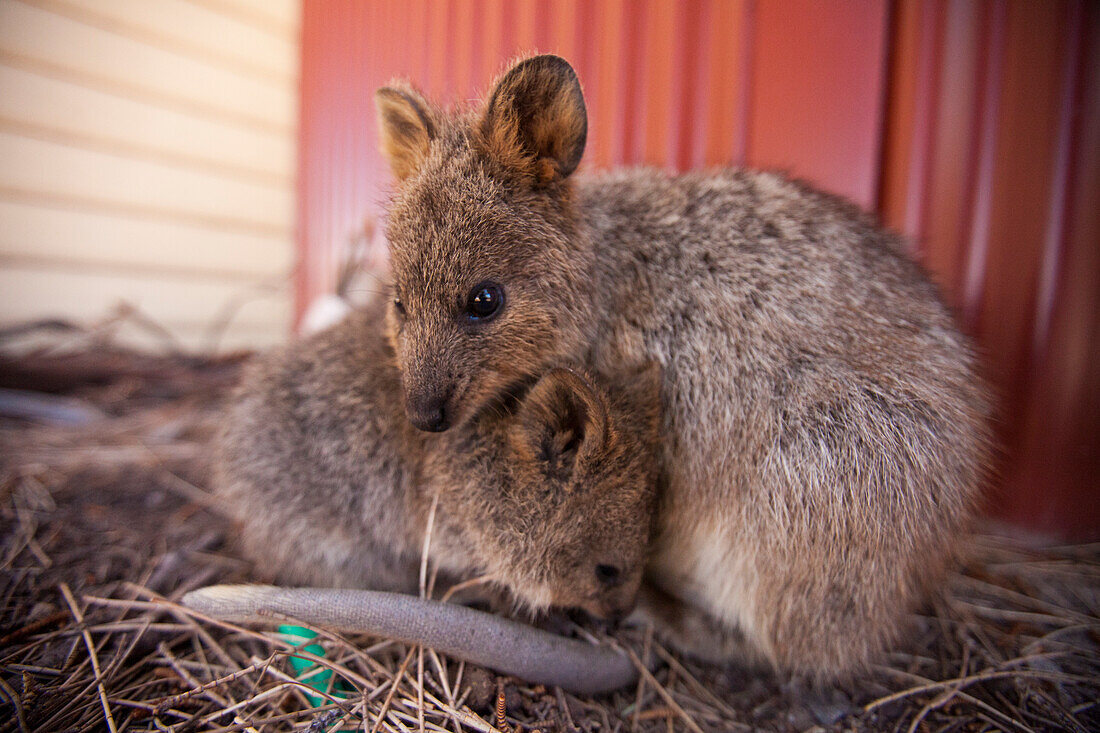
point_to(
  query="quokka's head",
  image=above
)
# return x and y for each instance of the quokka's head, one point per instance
(488, 285)
(570, 524)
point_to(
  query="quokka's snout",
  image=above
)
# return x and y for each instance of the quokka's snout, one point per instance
(430, 407)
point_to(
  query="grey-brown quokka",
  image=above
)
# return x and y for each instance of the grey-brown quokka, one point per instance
(550, 492)
(824, 429)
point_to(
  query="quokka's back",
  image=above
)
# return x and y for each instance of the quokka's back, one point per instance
(832, 426)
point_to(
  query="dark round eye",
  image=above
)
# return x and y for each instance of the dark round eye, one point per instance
(399, 306)
(484, 302)
(607, 574)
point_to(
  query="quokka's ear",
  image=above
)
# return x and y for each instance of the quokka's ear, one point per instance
(561, 421)
(405, 128)
(535, 122)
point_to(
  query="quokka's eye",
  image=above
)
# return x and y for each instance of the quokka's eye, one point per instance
(399, 306)
(484, 301)
(608, 575)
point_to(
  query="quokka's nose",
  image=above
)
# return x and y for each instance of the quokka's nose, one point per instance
(429, 413)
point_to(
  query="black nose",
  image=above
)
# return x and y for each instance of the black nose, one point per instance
(433, 423)
(429, 413)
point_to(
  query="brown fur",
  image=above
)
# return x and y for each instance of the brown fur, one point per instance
(535, 124)
(824, 428)
(333, 487)
(406, 128)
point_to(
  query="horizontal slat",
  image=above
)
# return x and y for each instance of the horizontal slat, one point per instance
(187, 306)
(190, 29)
(62, 109)
(278, 17)
(58, 172)
(34, 38)
(44, 233)
(236, 337)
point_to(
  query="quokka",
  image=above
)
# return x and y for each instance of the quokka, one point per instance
(551, 492)
(823, 426)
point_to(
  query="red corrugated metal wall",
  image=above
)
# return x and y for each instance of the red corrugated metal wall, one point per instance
(971, 126)
(992, 164)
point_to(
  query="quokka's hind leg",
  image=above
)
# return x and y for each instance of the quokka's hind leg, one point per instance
(332, 558)
(694, 632)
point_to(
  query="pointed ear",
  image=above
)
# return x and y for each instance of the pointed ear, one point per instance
(535, 122)
(405, 128)
(562, 419)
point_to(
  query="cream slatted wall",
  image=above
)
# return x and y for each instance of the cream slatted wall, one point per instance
(147, 156)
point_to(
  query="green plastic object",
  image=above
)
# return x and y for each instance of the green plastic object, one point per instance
(308, 671)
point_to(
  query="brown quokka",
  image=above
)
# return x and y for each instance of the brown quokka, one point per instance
(550, 493)
(824, 431)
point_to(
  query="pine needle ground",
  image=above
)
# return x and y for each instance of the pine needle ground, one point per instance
(107, 519)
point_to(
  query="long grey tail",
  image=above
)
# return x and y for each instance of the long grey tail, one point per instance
(482, 638)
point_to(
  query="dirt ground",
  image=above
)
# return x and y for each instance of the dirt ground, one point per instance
(106, 520)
